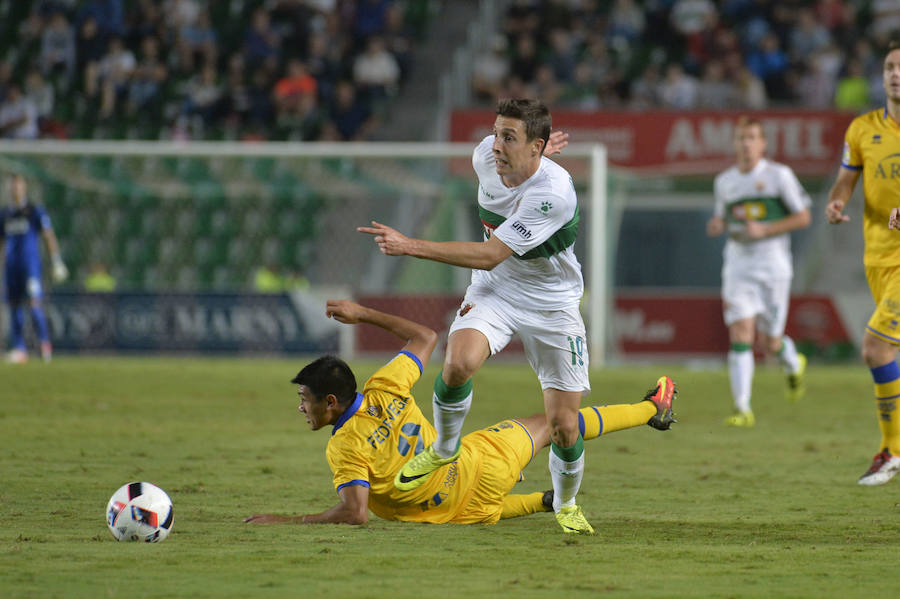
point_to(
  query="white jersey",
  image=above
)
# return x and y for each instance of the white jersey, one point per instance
(770, 191)
(538, 220)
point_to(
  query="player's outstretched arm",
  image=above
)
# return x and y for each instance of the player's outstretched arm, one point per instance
(483, 255)
(420, 340)
(353, 509)
(839, 196)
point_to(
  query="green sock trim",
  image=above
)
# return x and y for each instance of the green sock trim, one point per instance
(781, 349)
(448, 394)
(741, 347)
(569, 454)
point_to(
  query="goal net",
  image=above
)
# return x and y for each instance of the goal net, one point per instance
(201, 219)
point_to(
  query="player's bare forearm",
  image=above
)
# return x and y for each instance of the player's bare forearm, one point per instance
(339, 514)
(797, 220)
(342, 513)
(839, 196)
(420, 340)
(482, 255)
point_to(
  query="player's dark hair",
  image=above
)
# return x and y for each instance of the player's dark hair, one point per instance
(533, 113)
(328, 374)
(894, 44)
(749, 121)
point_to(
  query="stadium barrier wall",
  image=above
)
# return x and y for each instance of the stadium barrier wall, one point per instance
(194, 322)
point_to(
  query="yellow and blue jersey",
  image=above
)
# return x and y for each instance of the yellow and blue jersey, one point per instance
(872, 145)
(378, 433)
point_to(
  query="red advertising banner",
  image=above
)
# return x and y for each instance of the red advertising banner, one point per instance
(688, 143)
(666, 324)
(645, 324)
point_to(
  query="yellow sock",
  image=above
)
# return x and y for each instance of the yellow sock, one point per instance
(600, 420)
(886, 397)
(522, 505)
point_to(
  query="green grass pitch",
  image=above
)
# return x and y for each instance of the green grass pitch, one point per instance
(698, 511)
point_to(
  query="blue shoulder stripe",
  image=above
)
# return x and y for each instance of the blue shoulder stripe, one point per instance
(414, 358)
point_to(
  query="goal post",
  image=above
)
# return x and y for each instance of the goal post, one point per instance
(204, 217)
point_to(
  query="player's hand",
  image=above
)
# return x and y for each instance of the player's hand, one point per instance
(834, 212)
(390, 241)
(60, 272)
(715, 226)
(344, 311)
(754, 230)
(558, 140)
(266, 519)
(894, 220)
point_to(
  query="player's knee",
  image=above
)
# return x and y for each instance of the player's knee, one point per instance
(774, 344)
(456, 372)
(876, 352)
(563, 429)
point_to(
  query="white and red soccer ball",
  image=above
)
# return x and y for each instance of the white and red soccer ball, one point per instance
(139, 511)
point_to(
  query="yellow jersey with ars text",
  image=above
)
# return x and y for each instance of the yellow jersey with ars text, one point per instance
(380, 432)
(872, 145)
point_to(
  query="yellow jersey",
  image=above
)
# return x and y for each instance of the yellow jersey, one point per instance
(872, 145)
(379, 432)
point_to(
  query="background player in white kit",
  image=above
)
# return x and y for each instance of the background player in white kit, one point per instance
(526, 280)
(758, 202)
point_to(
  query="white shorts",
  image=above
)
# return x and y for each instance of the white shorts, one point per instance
(554, 340)
(767, 299)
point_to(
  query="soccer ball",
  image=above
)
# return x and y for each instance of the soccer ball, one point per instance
(139, 512)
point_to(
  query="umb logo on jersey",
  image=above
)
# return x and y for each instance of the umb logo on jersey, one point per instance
(888, 168)
(521, 229)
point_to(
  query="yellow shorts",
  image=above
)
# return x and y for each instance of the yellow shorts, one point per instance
(884, 281)
(503, 450)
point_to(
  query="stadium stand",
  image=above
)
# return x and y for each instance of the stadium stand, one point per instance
(307, 70)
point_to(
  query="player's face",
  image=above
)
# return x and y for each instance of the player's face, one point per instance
(749, 145)
(892, 75)
(17, 190)
(315, 410)
(514, 154)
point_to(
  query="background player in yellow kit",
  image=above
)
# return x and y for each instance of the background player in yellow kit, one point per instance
(872, 148)
(377, 431)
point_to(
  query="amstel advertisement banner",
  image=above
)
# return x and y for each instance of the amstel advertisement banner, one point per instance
(687, 143)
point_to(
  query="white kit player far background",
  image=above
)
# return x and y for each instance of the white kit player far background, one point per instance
(758, 202)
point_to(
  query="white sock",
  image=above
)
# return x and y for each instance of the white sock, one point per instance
(566, 477)
(740, 370)
(448, 421)
(787, 357)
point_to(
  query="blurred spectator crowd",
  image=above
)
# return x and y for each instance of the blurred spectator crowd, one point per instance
(690, 54)
(203, 69)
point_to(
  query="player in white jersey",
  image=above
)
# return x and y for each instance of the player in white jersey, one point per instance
(758, 203)
(525, 280)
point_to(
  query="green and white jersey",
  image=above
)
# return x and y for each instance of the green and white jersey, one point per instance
(538, 220)
(768, 192)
